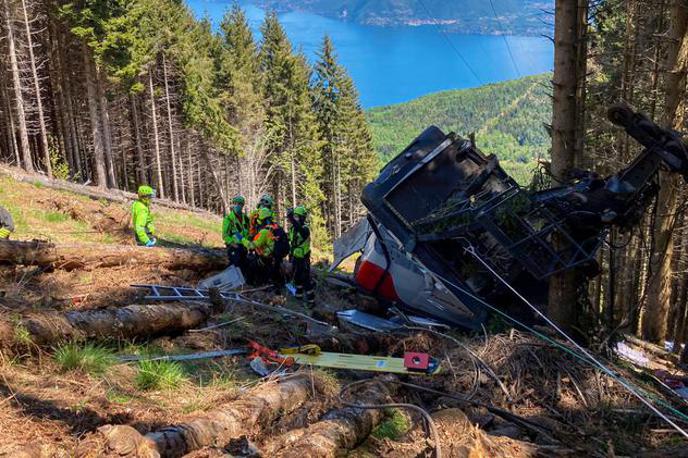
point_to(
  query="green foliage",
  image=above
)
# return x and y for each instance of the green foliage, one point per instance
(393, 427)
(22, 335)
(159, 375)
(348, 157)
(59, 166)
(507, 118)
(90, 359)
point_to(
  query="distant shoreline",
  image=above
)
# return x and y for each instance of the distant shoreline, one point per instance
(485, 25)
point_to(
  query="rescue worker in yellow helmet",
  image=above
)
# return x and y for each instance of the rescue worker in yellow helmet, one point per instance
(266, 201)
(235, 226)
(6, 224)
(141, 218)
(300, 254)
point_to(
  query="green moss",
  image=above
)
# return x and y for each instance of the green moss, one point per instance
(393, 427)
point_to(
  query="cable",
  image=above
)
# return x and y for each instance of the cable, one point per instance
(428, 419)
(506, 42)
(451, 45)
(471, 250)
(551, 341)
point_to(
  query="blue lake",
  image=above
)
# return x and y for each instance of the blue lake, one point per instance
(396, 64)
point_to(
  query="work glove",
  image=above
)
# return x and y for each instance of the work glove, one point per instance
(150, 243)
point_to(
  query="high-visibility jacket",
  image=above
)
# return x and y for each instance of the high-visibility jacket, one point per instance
(142, 220)
(235, 228)
(254, 226)
(300, 241)
(264, 242)
(6, 224)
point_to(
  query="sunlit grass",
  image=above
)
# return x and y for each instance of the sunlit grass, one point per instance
(91, 359)
(159, 375)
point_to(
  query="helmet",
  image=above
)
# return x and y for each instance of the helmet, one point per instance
(238, 200)
(300, 211)
(146, 191)
(266, 201)
(264, 213)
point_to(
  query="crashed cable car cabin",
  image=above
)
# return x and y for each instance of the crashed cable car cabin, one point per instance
(446, 221)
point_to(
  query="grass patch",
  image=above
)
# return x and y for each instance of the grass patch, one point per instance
(159, 375)
(54, 217)
(92, 359)
(115, 396)
(393, 427)
(22, 335)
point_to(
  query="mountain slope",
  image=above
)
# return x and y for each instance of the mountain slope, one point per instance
(507, 118)
(518, 17)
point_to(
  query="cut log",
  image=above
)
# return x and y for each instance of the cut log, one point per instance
(81, 256)
(51, 327)
(244, 416)
(338, 429)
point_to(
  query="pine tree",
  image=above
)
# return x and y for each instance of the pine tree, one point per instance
(348, 156)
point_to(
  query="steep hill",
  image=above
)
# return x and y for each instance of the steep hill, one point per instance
(506, 117)
(517, 17)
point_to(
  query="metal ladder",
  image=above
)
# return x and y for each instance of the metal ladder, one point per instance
(179, 293)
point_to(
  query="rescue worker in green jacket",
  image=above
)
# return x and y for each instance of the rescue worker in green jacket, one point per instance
(300, 254)
(235, 226)
(6, 224)
(142, 220)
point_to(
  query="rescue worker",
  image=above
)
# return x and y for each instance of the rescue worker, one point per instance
(6, 224)
(141, 217)
(235, 227)
(300, 254)
(271, 246)
(266, 201)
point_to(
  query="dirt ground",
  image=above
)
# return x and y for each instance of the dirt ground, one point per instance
(559, 406)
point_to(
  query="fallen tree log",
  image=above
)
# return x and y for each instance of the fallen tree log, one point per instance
(81, 256)
(244, 416)
(338, 429)
(51, 327)
(113, 195)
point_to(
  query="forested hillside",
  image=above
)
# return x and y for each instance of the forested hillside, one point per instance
(517, 17)
(508, 120)
(121, 92)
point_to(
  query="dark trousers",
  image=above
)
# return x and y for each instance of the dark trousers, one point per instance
(265, 269)
(302, 278)
(237, 257)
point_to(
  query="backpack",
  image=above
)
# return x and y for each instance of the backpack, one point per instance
(281, 249)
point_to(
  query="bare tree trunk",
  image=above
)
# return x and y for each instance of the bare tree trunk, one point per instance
(175, 189)
(43, 133)
(566, 130)
(654, 322)
(18, 97)
(51, 327)
(141, 161)
(96, 131)
(79, 256)
(156, 140)
(107, 135)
